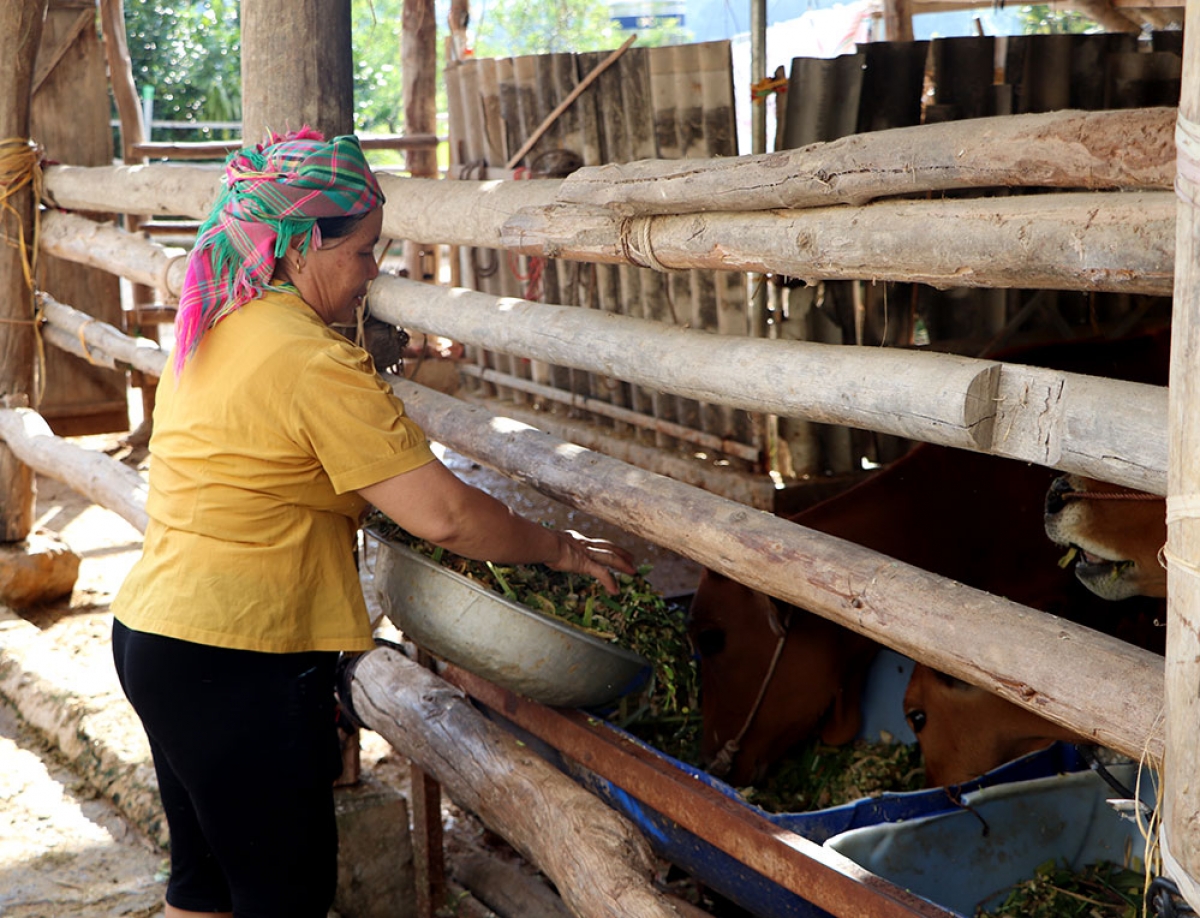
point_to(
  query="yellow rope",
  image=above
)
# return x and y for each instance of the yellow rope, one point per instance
(21, 167)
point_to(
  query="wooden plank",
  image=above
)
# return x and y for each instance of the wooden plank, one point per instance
(813, 872)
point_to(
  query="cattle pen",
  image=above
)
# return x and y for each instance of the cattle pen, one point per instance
(1125, 222)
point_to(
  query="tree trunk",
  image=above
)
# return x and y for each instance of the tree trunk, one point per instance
(1130, 149)
(297, 67)
(20, 35)
(599, 863)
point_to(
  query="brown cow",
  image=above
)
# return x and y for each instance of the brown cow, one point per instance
(973, 731)
(1115, 533)
(971, 517)
(914, 511)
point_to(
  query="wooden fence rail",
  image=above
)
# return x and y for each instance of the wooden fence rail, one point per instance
(1107, 429)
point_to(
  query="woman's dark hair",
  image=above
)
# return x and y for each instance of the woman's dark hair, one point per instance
(337, 227)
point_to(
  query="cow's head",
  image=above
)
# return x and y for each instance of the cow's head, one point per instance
(1114, 535)
(810, 674)
(965, 731)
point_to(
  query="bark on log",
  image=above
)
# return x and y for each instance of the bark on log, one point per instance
(159, 189)
(599, 863)
(20, 35)
(1103, 688)
(1106, 429)
(1104, 241)
(106, 481)
(103, 245)
(297, 67)
(457, 213)
(96, 341)
(1132, 149)
(505, 888)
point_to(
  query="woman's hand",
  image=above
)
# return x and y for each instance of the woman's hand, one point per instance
(595, 557)
(434, 504)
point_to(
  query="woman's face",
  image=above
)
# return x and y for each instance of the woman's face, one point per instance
(335, 277)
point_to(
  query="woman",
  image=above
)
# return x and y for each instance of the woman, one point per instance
(272, 434)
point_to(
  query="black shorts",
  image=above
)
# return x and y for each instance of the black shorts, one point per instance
(246, 751)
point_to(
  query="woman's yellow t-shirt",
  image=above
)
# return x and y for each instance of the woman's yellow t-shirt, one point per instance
(256, 455)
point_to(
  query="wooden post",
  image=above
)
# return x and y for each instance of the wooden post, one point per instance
(418, 64)
(1180, 835)
(897, 20)
(20, 35)
(133, 133)
(297, 67)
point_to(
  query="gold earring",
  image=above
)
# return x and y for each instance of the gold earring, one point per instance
(299, 263)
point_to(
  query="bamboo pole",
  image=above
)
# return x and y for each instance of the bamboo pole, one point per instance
(20, 36)
(1113, 429)
(1103, 688)
(1180, 835)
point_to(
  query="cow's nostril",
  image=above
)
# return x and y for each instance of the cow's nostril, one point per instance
(1056, 495)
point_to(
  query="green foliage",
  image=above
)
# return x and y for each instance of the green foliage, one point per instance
(1044, 19)
(1100, 890)
(190, 54)
(378, 84)
(508, 29)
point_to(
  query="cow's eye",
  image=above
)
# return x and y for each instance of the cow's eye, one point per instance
(916, 720)
(710, 642)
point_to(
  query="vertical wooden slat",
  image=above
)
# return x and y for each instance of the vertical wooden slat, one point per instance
(1181, 772)
(418, 55)
(69, 118)
(727, 290)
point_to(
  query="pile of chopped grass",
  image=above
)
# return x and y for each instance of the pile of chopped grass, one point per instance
(637, 618)
(1100, 890)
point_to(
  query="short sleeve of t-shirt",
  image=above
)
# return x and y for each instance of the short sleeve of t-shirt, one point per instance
(352, 422)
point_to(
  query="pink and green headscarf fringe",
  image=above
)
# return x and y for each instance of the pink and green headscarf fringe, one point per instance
(272, 195)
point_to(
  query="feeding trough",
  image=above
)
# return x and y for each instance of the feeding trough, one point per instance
(537, 655)
(969, 858)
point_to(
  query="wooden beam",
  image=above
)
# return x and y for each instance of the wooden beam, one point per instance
(1101, 241)
(982, 405)
(20, 36)
(1180, 836)
(1128, 149)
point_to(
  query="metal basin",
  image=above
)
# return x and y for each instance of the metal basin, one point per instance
(537, 655)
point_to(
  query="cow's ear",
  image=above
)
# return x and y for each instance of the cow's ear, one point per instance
(843, 720)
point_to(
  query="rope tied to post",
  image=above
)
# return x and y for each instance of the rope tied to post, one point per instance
(20, 168)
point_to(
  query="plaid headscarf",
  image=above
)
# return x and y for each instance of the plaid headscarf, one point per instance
(273, 194)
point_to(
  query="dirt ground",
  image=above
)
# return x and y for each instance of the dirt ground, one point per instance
(65, 850)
